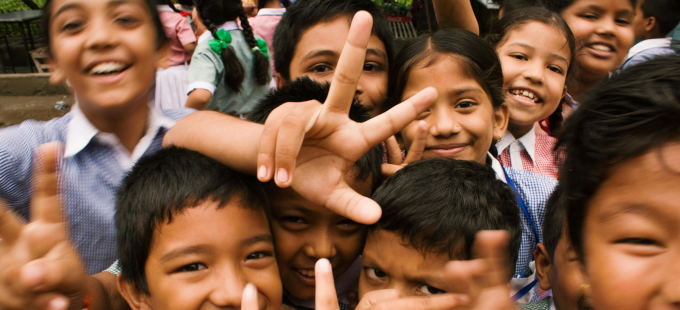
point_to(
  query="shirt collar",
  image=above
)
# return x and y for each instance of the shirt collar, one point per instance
(80, 131)
(496, 166)
(528, 141)
(271, 12)
(647, 44)
(230, 25)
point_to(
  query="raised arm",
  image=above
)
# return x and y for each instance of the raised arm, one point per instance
(456, 14)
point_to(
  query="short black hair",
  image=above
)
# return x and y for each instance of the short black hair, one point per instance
(512, 5)
(666, 12)
(164, 185)
(623, 118)
(438, 205)
(554, 220)
(304, 14)
(305, 89)
(558, 6)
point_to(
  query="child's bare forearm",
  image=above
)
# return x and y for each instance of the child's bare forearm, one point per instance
(227, 139)
(456, 14)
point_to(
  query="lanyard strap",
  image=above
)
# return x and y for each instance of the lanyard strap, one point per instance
(522, 206)
(524, 290)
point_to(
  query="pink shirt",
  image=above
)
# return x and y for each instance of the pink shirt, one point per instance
(179, 32)
(264, 25)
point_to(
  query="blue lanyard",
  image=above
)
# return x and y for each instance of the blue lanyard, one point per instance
(522, 206)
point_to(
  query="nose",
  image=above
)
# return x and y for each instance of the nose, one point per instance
(100, 35)
(534, 72)
(321, 245)
(443, 123)
(228, 284)
(606, 27)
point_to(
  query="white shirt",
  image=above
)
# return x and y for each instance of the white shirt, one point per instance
(647, 44)
(497, 167)
(80, 132)
(526, 142)
(275, 12)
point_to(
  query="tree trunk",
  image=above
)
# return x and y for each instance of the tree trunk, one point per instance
(31, 4)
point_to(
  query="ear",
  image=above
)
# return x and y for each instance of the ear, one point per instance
(280, 81)
(543, 264)
(58, 75)
(564, 91)
(162, 56)
(501, 119)
(650, 23)
(136, 299)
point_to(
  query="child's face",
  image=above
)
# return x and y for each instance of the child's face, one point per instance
(462, 123)
(317, 53)
(639, 21)
(604, 34)
(305, 232)
(204, 258)
(106, 50)
(631, 236)
(534, 71)
(387, 263)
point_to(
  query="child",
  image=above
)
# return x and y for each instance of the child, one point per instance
(534, 82)
(229, 71)
(192, 233)
(467, 117)
(171, 81)
(621, 181)
(110, 63)
(311, 35)
(653, 22)
(269, 13)
(557, 266)
(432, 211)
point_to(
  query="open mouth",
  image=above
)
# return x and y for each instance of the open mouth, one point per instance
(108, 68)
(307, 273)
(525, 94)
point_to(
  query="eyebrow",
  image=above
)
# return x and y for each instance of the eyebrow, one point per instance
(260, 238)
(195, 249)
(379, 53)
(460, 91)
(73, 6)
(640, 209)
(529, 47)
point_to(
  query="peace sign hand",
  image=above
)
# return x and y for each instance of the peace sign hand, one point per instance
(320, 144)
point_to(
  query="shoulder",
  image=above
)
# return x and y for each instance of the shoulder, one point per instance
(34, 133)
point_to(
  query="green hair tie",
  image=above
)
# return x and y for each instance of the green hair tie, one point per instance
(262, 47)
(221, 42)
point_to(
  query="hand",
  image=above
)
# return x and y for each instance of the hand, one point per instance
(320, 144)
(415, 152)
(38, 267)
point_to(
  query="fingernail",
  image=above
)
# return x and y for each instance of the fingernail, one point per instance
(250, 291)
(282, 176)
(58, 304)
(262, 172)
(324, 265)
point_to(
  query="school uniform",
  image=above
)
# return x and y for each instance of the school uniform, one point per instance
(650, 49)
(543, 304)
(207, 72)
(264, 25)
(531, 152)
(93, 166)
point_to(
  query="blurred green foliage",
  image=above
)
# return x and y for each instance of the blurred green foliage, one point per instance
(7, 6)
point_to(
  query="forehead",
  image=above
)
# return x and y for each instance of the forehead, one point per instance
(447, 73)
(60, 6)
(608, 5)
(553, 39)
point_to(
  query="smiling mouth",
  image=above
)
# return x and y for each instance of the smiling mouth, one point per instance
(525, 94)
(108, 68)
(307, 273)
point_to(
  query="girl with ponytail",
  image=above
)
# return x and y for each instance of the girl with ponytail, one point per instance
(230, 70)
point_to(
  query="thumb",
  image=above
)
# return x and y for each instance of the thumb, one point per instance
(325, 296)
(345, 201)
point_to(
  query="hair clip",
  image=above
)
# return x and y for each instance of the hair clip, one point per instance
(221, 42)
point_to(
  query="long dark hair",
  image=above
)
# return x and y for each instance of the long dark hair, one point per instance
(217, 12)
(171, 4)
(513, 20)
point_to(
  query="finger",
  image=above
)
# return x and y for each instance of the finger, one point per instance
(51, 301)
(39, 239)
(325, 295)
(395, 119)
(491, 246)
(430, 302)
(60, 269)
(265, 154)
(387, 170)
(350, 65)
(289, 141)
(345, 201)
(372, 298)
(415, 152)
(495, 298)
(249, 298)
(460, 277)
(45, 202)
(393, 151)
(10, 228)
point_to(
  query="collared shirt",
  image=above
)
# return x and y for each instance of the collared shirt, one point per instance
(647, 50)
(93, 166)
(179, 32)
(531, 152)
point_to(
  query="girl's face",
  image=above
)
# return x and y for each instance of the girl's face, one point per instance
(534, 71)
(604, 34)
(106, 50)
(631, 237)
(462, 124)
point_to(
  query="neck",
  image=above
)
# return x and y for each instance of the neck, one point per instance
(128, 124)
(518, 130)
(273, 4)
(583, 83)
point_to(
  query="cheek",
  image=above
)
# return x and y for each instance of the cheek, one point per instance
(350, 247)
(268, 283)
(286, 245)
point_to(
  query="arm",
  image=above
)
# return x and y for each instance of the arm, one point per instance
(198, 99)
(456, 14)
(189, 48)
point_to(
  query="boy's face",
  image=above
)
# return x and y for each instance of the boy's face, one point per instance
(204, 258)
(387, 263)
(640, 22)
(631, 236)
(305, 232)
(317, 54)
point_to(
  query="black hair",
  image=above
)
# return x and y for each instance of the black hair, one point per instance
(666, 12)
(304, 89)
(161, 38)
(262, 3)
(186, 2)
(623, 118)
(554, 220)
(216, 12)
(164, 185)
(478, 59)
(438, 205)
(304, 14)
(512, 5)
(518, 18)
(558, 6)
(171, 4)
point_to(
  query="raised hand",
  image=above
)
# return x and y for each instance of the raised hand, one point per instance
(311, 146)
(38, 267)
(415, 152)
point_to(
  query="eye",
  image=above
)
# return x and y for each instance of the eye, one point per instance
(466, 104)
(638, 241)
(430, 290)
(348, 223)
(293, 220)
(519, 56)
(320, 68)
(424, 114)
(622, 21)
(589, 16)
(126, 20)
(372, 67)
(258, 255)
(192, 267)
(72, 26)
(556, 69)
(375, 274)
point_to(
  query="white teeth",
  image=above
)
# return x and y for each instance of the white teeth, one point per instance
(107, 67)
(601, 47)
(524, 93)
(306, 273)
